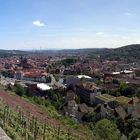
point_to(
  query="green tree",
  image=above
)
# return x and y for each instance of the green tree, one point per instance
(115, 92)
(126, 90)
(5, 73)
(104, 91)
(19, 90)
(91, 118)
(134, 134)
(68, 61)
(106, 130)
(122, 87)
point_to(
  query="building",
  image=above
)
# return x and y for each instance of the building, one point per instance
(87, 92)
(104, 99)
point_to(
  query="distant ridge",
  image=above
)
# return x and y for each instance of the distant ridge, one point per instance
(129, 51)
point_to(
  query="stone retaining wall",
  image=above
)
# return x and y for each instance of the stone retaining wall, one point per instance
(3, 135)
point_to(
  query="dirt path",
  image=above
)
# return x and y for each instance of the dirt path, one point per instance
(13, 101)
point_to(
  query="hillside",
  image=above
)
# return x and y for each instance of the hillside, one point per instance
(32, 112)
(8, 53)
(129, 52)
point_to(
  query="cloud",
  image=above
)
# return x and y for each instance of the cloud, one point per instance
(99, 33)
(38, 23)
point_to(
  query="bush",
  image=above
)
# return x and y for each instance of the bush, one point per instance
(106, 130)
(134, 134)
(19, 90)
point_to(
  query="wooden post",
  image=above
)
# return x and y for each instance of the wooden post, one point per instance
(58, 133)
(68, 134)
(36, 130)
(44, 131)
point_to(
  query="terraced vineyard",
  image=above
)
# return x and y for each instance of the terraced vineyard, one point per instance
(20, 127)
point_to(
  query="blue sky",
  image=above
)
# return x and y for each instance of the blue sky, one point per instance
(56, 24)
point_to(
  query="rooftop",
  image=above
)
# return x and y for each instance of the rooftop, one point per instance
(43, 87)
(123, 99)
(106, 97)
(84, 76)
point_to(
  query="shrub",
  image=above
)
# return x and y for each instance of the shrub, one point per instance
(19, 90)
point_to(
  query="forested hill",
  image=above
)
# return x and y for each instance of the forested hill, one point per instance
(8, 53)
(131, 52)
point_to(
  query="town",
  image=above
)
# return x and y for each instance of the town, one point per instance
(83, 88)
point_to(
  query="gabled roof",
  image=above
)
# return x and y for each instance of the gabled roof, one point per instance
(123, 100)
(90, 86)
(106, 97)
(121, 112)
(83, 108)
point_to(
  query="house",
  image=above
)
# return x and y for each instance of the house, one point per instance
(134, 107)
(123, 101)
(35, 76)
(18, 75)
(71, 81)
(120, 74)
(70, 95)
(31, 76)
(104, 99)
(87, 91)
(32, 89)
(121, 112)
(103, 110)
(71, 109)
(83, 109)
(43, 89)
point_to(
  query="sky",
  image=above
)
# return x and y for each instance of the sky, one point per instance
(68, 24)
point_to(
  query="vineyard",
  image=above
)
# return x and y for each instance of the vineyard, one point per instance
(19, 126)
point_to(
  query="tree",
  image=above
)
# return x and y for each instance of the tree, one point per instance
(126, 90)
(122, 87)
(106, 130)
(5, 73)
(129, 91)
(104, 91)
(68, 61)
(115, 92)
(134, 134)
(19, 90)
(89, 117)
